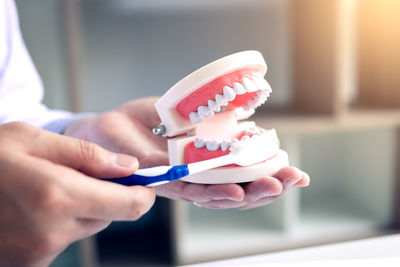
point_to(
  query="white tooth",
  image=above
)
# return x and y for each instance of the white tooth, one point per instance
(212, 145)
(205, 112)
(245, 137)
(252, 102)
(199, 143)
(194, 117)
(261, 101)
(221, 100)
(262, 83)
(234, 141)
(246, 107)
(213, 105)
(229, 93)
(225, 145)
(249, 85)
(239, 89)
(234, 144)
(251, 131)
(262, 93)
(256, 130)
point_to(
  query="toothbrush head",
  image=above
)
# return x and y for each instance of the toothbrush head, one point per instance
(255, 149)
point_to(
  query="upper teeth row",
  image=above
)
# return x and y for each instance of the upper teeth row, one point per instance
(215, 144)
(256, 84)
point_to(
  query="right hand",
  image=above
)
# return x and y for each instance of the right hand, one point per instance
(48, 198)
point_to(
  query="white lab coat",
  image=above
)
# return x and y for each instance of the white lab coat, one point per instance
(21, 89)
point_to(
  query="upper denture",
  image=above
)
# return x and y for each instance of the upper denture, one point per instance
(242, 88)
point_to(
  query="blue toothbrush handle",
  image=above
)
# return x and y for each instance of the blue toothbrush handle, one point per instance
(153, 176)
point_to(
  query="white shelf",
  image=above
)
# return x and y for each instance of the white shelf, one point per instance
(317, 124)
(176, 5)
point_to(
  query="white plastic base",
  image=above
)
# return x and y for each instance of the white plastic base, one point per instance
(226, 175)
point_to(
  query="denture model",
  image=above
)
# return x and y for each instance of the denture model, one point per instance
(200, 116)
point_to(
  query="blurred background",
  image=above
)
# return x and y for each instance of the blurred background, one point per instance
(334, 69)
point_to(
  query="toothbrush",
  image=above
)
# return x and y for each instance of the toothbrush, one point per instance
(244, 153)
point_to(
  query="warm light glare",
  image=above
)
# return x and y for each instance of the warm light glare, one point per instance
(379, 54)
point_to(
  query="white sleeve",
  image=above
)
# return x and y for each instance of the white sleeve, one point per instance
(21, 89)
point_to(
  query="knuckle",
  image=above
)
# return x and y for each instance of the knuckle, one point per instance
(13, 130)
(51, 199)
(141, 206)
(88, 151)
(135, 213)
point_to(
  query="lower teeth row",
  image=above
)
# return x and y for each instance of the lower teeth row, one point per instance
(214, 144)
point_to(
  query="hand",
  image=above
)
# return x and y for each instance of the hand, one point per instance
(127, 129)
(48, 197)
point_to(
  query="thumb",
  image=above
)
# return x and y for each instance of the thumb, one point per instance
(83, 156)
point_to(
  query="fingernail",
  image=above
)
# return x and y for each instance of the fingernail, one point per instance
(271, 194)
(290, 182)
(305, 182)
(124, 161)
(258, 196)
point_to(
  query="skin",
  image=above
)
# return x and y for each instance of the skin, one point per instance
(127, 129)
(49, 198)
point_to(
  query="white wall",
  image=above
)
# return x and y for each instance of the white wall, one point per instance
(133, 51)
(41, 28)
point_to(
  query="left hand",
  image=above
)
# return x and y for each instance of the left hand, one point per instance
(127, 129)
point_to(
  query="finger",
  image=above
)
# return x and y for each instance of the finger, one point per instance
(264, 187)
(172, 190)
(221, 204)
(225, 192)
(192, 192)
(88, 227)
(147, 113)
(260, 202)
(195, 192)
(304, 181)
(204, 193)
(288, 176)
(160, 158)
(82, 155)
(92, 198)
(108, 201)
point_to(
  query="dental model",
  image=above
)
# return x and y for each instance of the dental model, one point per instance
(200, 114)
